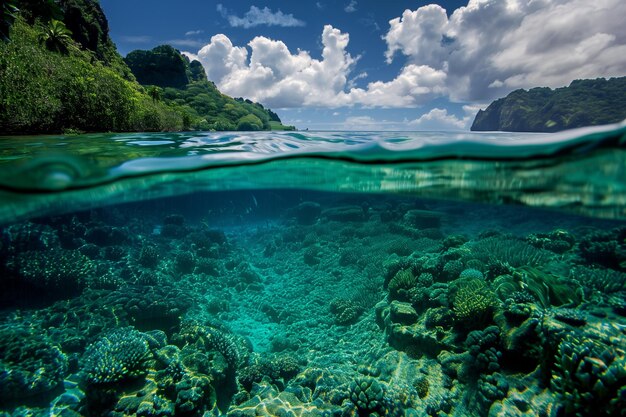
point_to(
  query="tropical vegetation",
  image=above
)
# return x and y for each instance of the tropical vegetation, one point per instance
(583, 103)
(60, 71)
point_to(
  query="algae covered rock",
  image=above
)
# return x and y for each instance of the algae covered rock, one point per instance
(402, 313)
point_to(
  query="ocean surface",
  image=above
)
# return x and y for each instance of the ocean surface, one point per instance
(324, 274)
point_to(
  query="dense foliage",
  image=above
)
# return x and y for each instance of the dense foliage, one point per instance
(87, 23)
(583, 103)
(42, 91)
(60, 71)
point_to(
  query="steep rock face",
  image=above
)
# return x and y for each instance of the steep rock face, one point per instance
(89, 26)
(582, 103)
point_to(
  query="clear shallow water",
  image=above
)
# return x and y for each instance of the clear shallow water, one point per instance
(313, 274)
(581, 171)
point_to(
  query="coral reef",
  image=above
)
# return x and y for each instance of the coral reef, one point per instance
(30, 363)
(473, 301)
(352, 306)
(368, 396)
(590, 374)
(119, 355)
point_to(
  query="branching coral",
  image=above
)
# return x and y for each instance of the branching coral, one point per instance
(117, 356)
(474, 301)
(514, 252)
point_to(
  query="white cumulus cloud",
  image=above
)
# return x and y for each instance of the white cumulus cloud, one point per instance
(439, 119)
(270, 73)
(220, 58)
(491, 47)
(257, 17)
(481, 51)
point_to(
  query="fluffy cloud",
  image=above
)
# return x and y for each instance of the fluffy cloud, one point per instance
(491, 47)
(275, 76)
(271, 74)
(439, 119)
(257, 17)
(415, 85)
(220, 58)
(482, 51)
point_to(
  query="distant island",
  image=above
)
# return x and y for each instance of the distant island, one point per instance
(582, 103)
(61, 73)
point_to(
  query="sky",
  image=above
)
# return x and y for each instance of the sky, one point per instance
(380, 64)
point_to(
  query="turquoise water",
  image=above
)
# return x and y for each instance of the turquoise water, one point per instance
(314, 274)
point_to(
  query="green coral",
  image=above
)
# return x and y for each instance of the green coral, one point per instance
(401, 282)
(557, 241)
(474, 301)
(606, 248)
(368, 396)
(471, 273)
(117, 356)
(58, 271)
(345, 311)
(232, 348)
(590, 375)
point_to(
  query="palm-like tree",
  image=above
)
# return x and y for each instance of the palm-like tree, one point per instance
(56, 36)
(155, 93)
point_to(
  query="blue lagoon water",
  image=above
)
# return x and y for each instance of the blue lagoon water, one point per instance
(313, 274)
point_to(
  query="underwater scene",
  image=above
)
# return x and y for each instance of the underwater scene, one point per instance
(314, 274)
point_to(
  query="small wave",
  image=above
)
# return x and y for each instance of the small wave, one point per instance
(580, 170)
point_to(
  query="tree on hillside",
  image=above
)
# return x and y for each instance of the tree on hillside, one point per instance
(155, 93)
(56, 36)
(249, 122)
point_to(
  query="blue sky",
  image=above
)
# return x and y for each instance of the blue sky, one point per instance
(374, 64)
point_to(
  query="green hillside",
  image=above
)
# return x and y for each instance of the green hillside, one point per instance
(583, 103)
(60, 72)
(183, 84)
